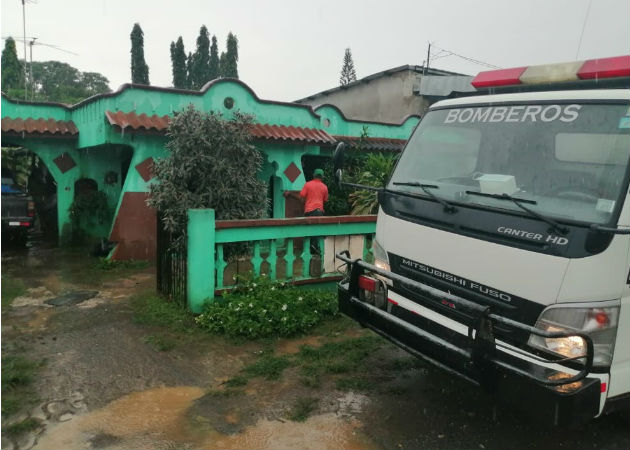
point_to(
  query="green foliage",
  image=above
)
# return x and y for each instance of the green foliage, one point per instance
(88, 208)
(214, 59)
(348, 74)
(20, 161)
(11, 289)
(120, 266)
(139, 68)
(155, 311)
(12, 70)
(265, 308)
(160, 342)
(178, 64)
(268, 367)
(229, 64)
(200, 68)
(20, 428)
(211, 164)
(18, 374)
(374, 171)
(303, 408)
(342, 357)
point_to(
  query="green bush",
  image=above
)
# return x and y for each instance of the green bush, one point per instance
(374, 171)
(263, 308)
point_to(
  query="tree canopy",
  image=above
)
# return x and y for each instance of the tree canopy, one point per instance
(12, 70)
(178, 63)
(56, 81)
(214, 59)
(200, 66)
(348, 75)
(139, 68)
(229, 67)
(210, 164)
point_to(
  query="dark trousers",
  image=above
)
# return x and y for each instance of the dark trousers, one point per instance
(315, 239)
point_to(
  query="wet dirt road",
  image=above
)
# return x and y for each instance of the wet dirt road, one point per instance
(103, 385)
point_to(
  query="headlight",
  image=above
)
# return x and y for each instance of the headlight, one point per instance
(599, 323)
(380, 256)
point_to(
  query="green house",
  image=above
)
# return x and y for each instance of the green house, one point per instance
(109, 142)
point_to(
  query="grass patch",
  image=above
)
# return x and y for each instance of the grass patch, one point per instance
(11, 289)
(340, 357)
(353, 384)
(236, 381)
(120, 266)
(155, 311)
(268, 367)
(18, 374)
(302, 408)
(160, 343)
(224, 392)
(23, 427)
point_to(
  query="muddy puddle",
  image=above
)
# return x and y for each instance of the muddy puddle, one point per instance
(157, 418)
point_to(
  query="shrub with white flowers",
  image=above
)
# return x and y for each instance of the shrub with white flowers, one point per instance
(264, 308)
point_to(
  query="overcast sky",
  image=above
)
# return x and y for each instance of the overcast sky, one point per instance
(290, 49)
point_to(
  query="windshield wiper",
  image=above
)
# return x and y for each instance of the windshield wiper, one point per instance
(613, 230)
(425, 187)
(519, 202)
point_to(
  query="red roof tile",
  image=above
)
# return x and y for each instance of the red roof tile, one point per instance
(291, 134)
(39, 126)
(137, 122)
(372, 143)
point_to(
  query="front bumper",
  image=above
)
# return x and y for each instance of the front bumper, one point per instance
(508, 377)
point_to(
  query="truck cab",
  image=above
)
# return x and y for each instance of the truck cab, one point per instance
(502, 248)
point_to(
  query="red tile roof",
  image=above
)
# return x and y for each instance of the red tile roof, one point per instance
(137, 122)
(372, 143)
(142, 122)
(40, 127)
(291, 134)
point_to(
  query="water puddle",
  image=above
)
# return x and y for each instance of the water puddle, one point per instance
(325, 431)
(157, 418)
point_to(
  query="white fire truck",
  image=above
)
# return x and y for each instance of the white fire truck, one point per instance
(502, 249)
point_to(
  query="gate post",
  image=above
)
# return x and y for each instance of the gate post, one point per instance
(200, 265)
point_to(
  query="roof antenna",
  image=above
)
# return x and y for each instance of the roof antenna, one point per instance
(588, 9)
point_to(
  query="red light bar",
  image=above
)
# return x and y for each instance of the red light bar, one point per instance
(617, 66)
(369, 284)
(25, 224)
(501, 77)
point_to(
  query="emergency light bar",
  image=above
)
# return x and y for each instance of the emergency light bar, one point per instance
(592, 69)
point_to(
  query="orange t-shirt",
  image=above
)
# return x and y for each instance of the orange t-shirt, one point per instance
(316, 193)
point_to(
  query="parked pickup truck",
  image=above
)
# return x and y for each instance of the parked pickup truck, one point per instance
(18, 209)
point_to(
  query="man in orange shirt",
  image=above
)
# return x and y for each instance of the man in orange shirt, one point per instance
(313, 194)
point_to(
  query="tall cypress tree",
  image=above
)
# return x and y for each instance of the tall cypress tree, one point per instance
(348, 75)
(139, 68)
(231, 57)
(214, 59)
(12, 74)
(222, 64)
(178, 63)
(201, 60)
(189, 70)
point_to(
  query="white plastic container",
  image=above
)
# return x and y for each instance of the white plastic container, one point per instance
(491, 183)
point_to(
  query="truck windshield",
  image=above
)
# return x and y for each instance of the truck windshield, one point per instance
(569, 160)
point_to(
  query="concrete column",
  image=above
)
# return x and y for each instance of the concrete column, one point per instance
(201, 256)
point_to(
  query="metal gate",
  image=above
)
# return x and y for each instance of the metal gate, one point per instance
(171, 266)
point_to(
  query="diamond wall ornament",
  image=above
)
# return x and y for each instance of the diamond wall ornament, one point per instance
(292, 172)
(145, 169)
(64, 162)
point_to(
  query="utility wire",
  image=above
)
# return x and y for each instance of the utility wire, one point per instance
(467, 58)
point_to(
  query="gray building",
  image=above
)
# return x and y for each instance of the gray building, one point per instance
(393, 94)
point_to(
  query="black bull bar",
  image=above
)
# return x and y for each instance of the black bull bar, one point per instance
(481, 348)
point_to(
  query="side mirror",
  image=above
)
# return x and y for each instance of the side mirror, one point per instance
(338, 157)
